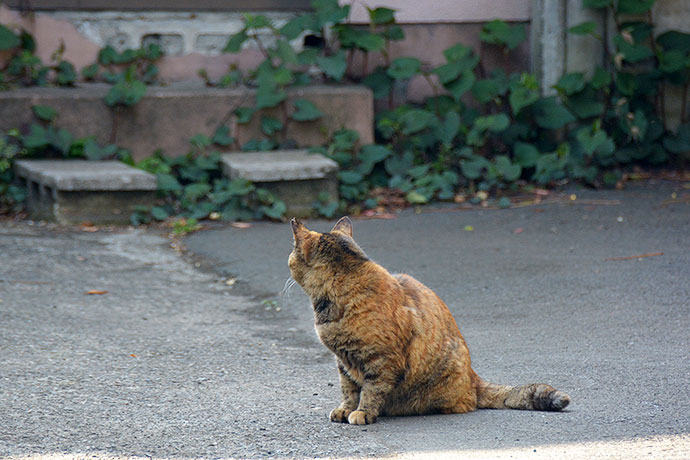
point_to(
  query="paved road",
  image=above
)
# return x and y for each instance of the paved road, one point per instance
(175, 363)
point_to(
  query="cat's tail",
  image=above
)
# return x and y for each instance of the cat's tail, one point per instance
(536, 396)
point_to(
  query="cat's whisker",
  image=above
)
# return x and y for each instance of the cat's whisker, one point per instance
(285, 293)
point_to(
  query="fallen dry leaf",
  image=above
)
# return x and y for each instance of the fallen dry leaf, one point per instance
(518, 230)
(241, 225)
(88, 227)
(640, 256)
(95, 292)
(133, 355)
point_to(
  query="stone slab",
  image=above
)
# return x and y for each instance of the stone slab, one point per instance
(297, 177)
(75, 191)
(281, 165)
(82, 175)
(167, 117)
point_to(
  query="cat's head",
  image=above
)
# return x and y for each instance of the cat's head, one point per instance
(317, 258)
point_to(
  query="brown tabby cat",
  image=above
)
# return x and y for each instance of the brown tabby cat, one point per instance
(397, 346)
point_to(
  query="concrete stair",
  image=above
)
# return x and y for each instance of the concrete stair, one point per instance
(295, 176)
(76, 191)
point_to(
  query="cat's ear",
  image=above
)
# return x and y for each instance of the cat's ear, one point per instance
(298, 229)
(303, 241)
(343, 226)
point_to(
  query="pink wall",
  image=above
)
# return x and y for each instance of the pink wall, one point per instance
(444, 11)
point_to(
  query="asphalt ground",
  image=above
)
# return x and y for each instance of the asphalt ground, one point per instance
(206, 355)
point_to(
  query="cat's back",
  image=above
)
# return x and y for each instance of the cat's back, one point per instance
(424, 303)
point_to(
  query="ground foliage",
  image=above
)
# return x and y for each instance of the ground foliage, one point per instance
(480, 132)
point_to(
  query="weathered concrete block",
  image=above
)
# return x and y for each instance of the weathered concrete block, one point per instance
(167, 117)
(74, 191)
(295, 176)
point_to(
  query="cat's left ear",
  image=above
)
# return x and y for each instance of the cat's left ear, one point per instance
(298, 229)
(343, 226)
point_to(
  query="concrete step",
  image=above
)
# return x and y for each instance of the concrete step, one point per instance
(75, 191)
(167, 117)
(295, 176)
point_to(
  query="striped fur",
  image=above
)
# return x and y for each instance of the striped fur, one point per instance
(397, 346)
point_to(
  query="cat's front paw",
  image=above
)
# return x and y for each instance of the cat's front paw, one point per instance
(340, 414)
(359, 417)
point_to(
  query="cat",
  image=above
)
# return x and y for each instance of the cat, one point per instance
(397, 346)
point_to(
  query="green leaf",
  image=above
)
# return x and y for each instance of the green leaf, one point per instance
(329, 12)
(500, 33)
(495, 123)
(415, 120)
(585, 104)
(404, 68)
(473, 168)
(672, 61)
(44, 112)
(275, 211)
(510, 172)
(373, 153)
(381, 15)
(350, 177)
(256, 21)
(66, 74)
(398, 165)
(168, 183)
(414, 197)
(270, 125)
(266, 98)
(239, 187)
(674, 40)
(463, 84)
(457, 52)
(486, 90)
(634, 6)
(235, 42)
(526, 155)
(159, 213)
(200, 141)
(222, 136)
(504, 202)
(125, 93)
(632, 52)
(370, 42)
(90, 72)
(379, 82)
(522, 97)
(286, 52)
(585, 28)
(37, 137)
(8, 39)
(244, 114)
(92, 151)
(550, 114)
(453, 69)
(680, 142)
(601, 78)
(450, 127)
(333, 66)
(294, 27)
(592, 140)
(305, 110)
(571, 83)
(195, 191)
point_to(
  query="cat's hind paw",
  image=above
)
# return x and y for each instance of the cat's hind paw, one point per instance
(340, 415)
(359, 417)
